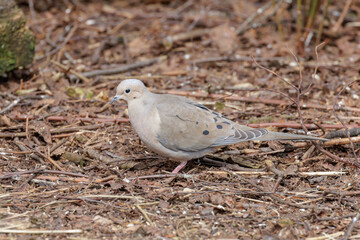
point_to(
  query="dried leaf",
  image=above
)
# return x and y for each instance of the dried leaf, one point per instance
(25, 91)
(224, 38)
(291, 169)
(5, 121)
(43, 129)
(138, 46)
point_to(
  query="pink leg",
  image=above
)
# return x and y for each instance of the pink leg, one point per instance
(179, 167)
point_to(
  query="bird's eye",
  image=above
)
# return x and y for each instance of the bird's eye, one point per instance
(127, 90)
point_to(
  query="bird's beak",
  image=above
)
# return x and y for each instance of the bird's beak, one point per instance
(116, 97)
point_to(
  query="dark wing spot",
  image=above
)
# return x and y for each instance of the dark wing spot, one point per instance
(219, 126)
(224, 122)
(215, 113)
(200, 106)
(196, 122)
(206, 132)
(215, 119)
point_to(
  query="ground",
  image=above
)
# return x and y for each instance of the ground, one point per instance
(73, 167)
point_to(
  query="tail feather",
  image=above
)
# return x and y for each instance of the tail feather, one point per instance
(287, 136)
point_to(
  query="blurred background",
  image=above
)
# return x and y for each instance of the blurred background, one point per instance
(70, 161)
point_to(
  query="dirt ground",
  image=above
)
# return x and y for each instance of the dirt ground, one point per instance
(73, 167)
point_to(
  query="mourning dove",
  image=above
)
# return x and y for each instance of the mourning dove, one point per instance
(181, 129)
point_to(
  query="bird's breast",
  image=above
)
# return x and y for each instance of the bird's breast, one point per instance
(145, 120)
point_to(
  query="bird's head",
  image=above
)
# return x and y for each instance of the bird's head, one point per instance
(129, 89)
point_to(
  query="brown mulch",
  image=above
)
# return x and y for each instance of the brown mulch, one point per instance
(71, 163)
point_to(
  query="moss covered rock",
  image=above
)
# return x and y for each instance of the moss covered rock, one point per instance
(17, 44)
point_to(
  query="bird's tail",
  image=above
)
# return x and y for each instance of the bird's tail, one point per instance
(287, 136)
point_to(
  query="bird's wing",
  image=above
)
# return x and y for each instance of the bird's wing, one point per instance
(189, 126)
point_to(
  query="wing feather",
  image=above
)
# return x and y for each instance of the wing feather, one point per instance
(190, 126)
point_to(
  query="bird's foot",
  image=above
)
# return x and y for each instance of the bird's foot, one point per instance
(179, 167)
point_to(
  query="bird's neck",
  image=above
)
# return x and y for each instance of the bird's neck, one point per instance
(140, 106)
(143, 114)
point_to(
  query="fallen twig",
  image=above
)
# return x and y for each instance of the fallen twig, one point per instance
(326, 236)
(62, 130)
(144, 214)
(25, 149)
(121, 25)
(344, 133)
(211, 162)
(46, 157)
(245, 25)
(256, 100)
(57, 145)
(247, 173)
(113, 196)
(65, 118)
(60, 46)
(317, 145)
(12, 135)
(351, 226)
(339, 192)
(123, 68)
(236, 58)
(68, 69)
(341, 121)
(151, 177)
(344, 11)
(40, 171)
(37, 231)
(276, 198)
(281, 60)
(11, 105)
(302, 174)
(333, 142)
(170, 40)
(298, 125)
(271, 167)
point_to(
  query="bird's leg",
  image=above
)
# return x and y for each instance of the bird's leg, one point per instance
(179, 167)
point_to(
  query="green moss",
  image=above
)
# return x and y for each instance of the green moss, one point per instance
(79, 93)
(259, 120)
(17, 44)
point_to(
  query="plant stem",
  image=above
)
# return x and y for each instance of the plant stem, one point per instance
(321, 25)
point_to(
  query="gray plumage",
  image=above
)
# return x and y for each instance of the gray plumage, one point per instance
(181, 129)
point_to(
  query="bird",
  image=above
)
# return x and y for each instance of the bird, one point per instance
(182, 129)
